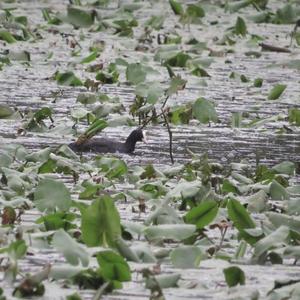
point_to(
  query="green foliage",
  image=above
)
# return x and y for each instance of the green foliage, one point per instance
(240, 27)
(79, 17)
(239, 215)
(100, 223)
(73, 252)
(135, 73)
(234, 276)
(67, 78)
(204, 111)
(113, 268)
(294, 116)
(276, 91)
(203, 214)
(51, 195)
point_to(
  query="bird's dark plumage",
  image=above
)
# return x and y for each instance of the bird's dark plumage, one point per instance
(103, 145)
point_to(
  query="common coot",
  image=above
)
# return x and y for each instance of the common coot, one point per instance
(103, 145)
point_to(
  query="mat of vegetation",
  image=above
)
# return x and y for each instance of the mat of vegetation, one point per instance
(172, 221)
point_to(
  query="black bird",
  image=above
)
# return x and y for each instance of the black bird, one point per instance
(103, 145)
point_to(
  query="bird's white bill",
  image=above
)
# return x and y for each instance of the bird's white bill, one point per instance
(145, 137)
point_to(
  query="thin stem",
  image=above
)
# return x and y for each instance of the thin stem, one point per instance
(150, 119)
(170, 136)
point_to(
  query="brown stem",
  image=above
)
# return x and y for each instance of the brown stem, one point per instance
(267, 47)
(170, 136)
(165, 102)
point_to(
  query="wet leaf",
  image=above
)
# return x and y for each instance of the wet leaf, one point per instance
(234, 276)
(156, 22)
(176, 7)
(113, 267)
(178, 60)
(16, 250)
(7, 36)
(80, 17)
(152, 91)
(170, 231)
(203, 214)
(39, 156)
(288, 14)
(50, 195)
(73, 252)
(278, 192)
(285, 167)
(135, 73)
(293, 222)
(294, 116)
(91, 57)
(258, 82)
(68, 78)
(257, 202)
(21, 55)
(164, 281)
(57, 221)
(240, 27)
(100, 223)
(277, 238)
(5, 111)
(200, 72)
(186, 257)
(113, 167)
(177, 84)
(276, 91)
(204, 111)
(239, 215)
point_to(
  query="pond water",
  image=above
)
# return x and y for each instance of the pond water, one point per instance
(30, 87)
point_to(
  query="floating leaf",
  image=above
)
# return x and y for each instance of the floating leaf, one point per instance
(7, 36)
(204, 111)
(177, 84)
(258, 82)
(79, 17)
(278, 192)
(86, 98)
(176, 7)
(240, 27)
(113, 267)
(100, 223)
(286, 167)
(5, 111)
(91, 57)
(152, 91)
(135, 73)
(186, 257)
(294, 116)
(203, 214)
(164, 281)
(68, 78)
(277, 238)
(276, 91)
(72, 251)
(234, 276)
(21, 55)
(50, 195)
(156, 22)
(177, 232)
(293, 222)
(239, 215)
(178, 60)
